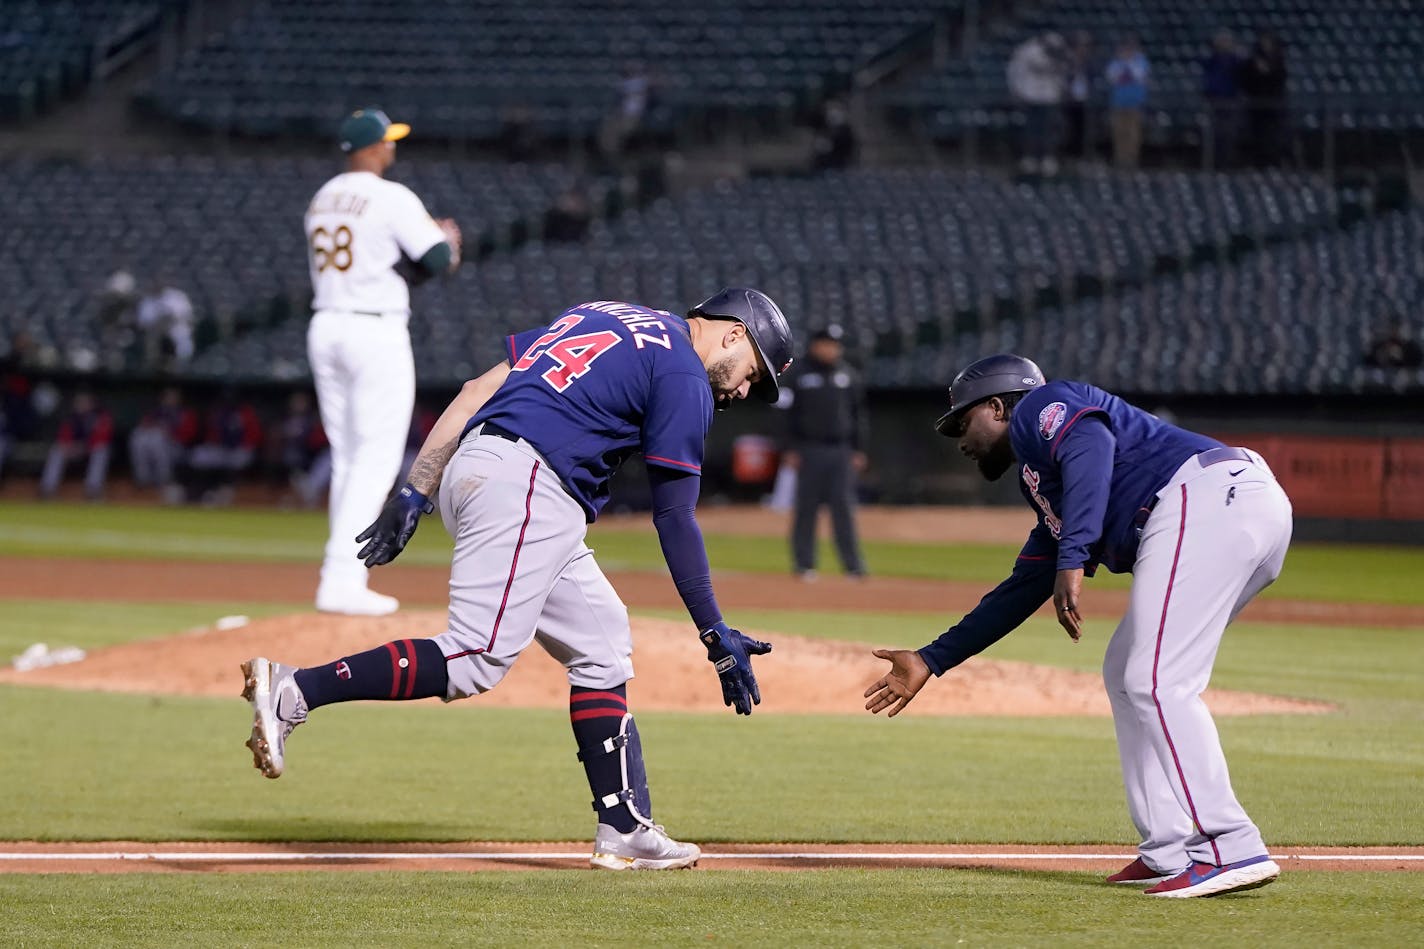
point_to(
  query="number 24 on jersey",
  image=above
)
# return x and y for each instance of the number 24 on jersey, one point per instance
(573, 354)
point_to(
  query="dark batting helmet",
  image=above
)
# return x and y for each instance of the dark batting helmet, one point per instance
(765, 325)
(984, 379)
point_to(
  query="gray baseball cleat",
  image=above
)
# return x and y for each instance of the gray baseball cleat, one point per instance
(277, 708)
(646, 848)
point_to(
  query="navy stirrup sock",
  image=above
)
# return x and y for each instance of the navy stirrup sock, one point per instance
(597, 715)
(404, 669)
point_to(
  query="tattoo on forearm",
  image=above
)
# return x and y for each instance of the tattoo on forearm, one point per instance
(430, 465)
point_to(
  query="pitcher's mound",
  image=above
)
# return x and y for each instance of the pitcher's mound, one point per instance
(800, 676)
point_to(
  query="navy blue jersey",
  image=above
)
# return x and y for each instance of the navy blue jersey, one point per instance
(1090, 520)
(602, 382)
(1088, 463)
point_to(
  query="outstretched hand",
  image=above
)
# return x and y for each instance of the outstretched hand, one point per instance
(730, 651)
(393, 528)
(908, 674)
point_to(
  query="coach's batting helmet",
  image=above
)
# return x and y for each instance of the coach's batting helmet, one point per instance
(984, 379)
(765, 325)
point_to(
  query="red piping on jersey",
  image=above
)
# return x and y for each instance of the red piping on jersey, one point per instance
(673, 461)
(513, 356)
(597, 713)
(1053, 452)
(513, 568)
(395, 669)
(1161, 627)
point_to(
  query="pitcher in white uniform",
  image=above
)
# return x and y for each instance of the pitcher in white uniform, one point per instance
(364, 232)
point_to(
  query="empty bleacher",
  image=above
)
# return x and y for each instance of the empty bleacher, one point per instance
(1292, 319)
(226, 231)
(51, 49)
(1166, 282)
(909, 261)
(457, 67)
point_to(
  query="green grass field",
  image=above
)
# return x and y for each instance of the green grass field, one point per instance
(81, 766)
(1313, 571)
(727, 908)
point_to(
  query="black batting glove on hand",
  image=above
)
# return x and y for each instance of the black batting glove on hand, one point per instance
(392, 530)
(730, 652)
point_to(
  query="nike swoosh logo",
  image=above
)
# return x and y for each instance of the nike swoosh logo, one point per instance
(1237, 472)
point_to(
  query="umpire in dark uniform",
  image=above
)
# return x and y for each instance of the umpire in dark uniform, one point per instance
(826, 446)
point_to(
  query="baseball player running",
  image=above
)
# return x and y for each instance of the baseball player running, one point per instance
(363, 234)
(1201, 526)
(522, 458)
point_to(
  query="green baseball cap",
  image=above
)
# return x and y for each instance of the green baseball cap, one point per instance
(367, 127)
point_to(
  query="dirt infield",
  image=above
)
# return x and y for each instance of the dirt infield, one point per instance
(801, 676)
(180, 857)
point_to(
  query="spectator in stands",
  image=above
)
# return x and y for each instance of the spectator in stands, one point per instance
(228, 445)
(569, 217)
(304, 458)
(18, 419)
(517, 137)
(1395, 348)
(1127, 76)
(1221, 94)
(117, 301)
(159, 440)
(1078, 138)
(85, 434)
(1036, 77)
(835, 142)
(165, 315)
(635, 98)
(1263, 83)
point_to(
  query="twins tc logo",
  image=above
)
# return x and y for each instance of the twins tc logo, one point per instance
(1050, 420)
(343, 671)
(1032, 479)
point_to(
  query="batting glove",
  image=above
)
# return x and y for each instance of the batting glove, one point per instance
(730, 652)
(392, 530)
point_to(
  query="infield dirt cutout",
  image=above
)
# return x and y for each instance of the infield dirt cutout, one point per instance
(807, 676)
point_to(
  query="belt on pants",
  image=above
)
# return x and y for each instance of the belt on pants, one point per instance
(376, 313)
(1215, 456)
(1212, 456)
(490, 428)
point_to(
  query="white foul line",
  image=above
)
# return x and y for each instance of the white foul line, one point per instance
(321, 856)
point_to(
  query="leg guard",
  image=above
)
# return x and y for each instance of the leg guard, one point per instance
(633, 790)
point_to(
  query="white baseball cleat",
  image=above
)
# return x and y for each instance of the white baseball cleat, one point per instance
(355, 601)
(277, 707)
(646, 848)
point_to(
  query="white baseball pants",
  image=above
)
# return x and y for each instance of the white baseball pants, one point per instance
(1217, 537)
(365, 387)
(521, 571)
